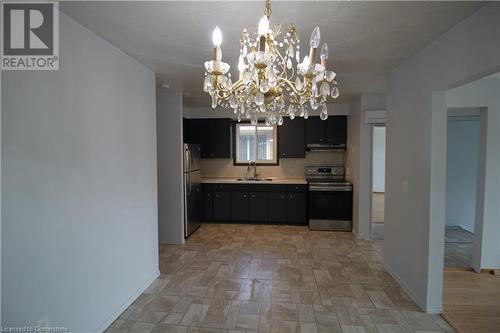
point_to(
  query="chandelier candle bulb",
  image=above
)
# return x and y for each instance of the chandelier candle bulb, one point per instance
(262, 31)
(314, 43)
(324, 54)
(217, 40)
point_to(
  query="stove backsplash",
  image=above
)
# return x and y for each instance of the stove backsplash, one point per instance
(287, 168)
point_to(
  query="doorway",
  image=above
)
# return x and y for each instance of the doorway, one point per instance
(378, 182)
(462, 160)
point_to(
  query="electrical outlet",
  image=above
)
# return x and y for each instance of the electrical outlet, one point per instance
(404, 186)
(44, 322)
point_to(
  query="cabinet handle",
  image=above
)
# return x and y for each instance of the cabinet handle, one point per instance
(208, 194)
(216, 195)
(244, 195)
(291, 196)
(253, 195)
(320, 140)
(283, 154)
(282, 197)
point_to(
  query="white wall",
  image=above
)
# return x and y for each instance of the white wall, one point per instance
(79, 219)
(170, 165)
(461, 168)
(358, 159)
(485, 93)
(378, 158)
(416, 144)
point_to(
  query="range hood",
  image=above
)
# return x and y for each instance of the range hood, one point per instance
(325, 146)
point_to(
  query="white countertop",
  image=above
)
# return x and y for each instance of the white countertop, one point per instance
(291, 181)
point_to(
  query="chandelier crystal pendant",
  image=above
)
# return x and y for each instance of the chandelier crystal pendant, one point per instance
(272, 82)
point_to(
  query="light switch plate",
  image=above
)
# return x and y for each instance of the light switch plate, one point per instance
(404, 186)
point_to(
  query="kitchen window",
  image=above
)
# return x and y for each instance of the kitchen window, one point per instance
(256, 143)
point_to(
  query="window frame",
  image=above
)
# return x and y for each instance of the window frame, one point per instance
(236, 132)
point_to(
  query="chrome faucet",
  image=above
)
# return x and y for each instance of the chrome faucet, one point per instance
(253, 164)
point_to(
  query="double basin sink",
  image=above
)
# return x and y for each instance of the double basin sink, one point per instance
(255, 179)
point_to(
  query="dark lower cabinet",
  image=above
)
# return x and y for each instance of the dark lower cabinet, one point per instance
(208, 202)
(296, 210)
(239, 206)
(297, 204)
(222, 206)
(258, 206)
(255, 203)
(277, 206)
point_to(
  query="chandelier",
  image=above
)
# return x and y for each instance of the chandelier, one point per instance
(273, 81)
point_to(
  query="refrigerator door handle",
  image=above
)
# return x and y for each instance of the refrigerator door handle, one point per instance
(189, 169)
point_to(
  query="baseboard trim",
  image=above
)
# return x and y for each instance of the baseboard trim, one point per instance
(421, 304)
(127, 303)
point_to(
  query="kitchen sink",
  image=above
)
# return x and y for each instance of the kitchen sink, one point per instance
(254, 179)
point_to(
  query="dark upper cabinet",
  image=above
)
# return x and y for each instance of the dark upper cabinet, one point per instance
(332, 131)
(214, 135)
(336, 130)
(291, 143)
(193, 129)
(314, 130)
(258, 205)
(219, 138)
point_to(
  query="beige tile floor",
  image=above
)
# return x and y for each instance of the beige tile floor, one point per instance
(245, 278)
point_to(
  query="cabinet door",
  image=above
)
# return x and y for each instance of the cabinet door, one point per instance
(291, 142)
(201, 136)
(193, 130)
(258, 209)
(277, 206)
(314, 130)
(336, 130)
(296, 207)
(208, 202)
(239, 207)
(220, 138)
(222, 206)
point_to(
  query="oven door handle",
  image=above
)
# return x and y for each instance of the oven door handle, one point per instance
(313, 188)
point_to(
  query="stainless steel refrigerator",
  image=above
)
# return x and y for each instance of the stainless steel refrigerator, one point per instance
(192, 188)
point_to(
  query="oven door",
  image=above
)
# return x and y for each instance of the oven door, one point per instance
(330, 207)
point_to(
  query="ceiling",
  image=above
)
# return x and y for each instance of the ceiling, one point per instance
(366, 39)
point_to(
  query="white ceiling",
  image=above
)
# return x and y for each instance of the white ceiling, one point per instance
(366, 39)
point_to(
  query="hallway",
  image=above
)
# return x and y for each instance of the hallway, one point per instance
(458, 247)
(247, 278)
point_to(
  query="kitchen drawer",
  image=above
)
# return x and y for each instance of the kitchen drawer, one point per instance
(239, 187)
(207, 187)
(297, 188)
(259, 187)
(278, 188)
(222, 187)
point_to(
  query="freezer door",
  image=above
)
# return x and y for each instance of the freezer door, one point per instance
(195, 156)
(192, 203)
